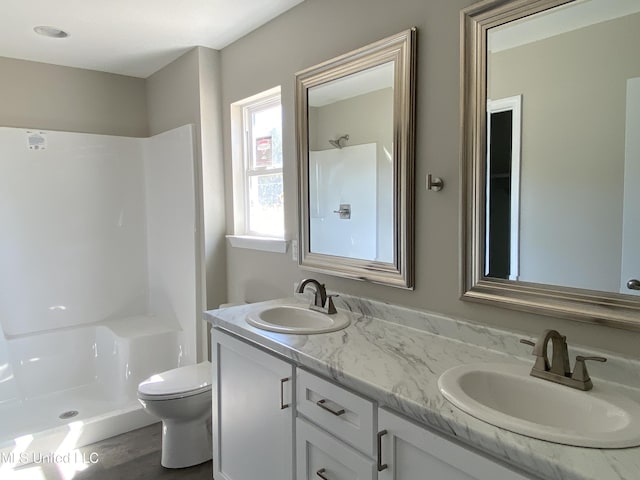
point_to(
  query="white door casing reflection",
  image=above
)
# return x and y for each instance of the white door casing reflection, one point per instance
(502, 243)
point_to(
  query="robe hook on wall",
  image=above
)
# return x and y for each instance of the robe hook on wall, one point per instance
(434, 183)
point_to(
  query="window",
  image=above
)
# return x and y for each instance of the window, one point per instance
(257, 166)
(263, 168)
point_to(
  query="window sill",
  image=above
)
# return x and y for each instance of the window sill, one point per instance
(265, 244)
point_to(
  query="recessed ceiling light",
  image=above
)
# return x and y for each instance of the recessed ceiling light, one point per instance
(48, 31)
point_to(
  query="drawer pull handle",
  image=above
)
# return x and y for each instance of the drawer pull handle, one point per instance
(320, 473)
(323, 404)
(282, 404)
(380, 465)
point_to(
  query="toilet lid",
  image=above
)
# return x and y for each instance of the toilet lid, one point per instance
(191, 379)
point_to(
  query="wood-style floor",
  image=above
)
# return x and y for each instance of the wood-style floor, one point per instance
(130, 456)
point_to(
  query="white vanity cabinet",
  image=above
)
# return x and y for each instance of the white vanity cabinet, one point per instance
(262, 404)
(253, 412)
(410, 452)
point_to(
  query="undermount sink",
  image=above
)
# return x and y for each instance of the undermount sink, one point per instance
(299, 320)
(505, 395)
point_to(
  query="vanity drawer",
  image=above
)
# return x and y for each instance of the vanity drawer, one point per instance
(346, 415)
(320, 456)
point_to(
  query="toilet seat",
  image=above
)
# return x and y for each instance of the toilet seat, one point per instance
(177, 383)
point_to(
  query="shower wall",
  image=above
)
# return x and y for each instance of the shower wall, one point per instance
(343, 177)
(72, 248)
(171, 233)
(97, 228)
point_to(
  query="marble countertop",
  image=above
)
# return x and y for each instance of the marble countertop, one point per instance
(397, 362)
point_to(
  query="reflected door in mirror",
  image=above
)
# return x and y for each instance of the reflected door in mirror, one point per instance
(631, 201)
(503, 188)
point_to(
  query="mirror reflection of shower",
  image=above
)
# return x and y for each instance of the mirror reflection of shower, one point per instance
(339, 142)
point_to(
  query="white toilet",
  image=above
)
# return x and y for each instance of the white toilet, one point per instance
(181, 398)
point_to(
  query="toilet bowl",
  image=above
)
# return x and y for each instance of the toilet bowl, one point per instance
(181, 398)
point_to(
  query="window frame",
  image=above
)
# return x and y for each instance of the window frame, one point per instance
(248, 110)
(243, 170)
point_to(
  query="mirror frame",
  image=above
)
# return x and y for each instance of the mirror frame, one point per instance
(606, 308)
(400, 49)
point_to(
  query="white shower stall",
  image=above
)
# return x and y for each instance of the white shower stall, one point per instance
(352, 177)
(99, 280)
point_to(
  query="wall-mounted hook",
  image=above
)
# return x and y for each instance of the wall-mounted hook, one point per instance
(434, 183)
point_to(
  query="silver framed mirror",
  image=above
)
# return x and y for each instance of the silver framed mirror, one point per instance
(551, 158)
(355, 139)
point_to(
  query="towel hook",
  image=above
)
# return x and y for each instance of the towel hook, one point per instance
(434, 183)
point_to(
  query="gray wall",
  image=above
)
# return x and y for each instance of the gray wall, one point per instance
(51, 97)
(573, 123)
(173, 94)
(315, 31)
(365, 118)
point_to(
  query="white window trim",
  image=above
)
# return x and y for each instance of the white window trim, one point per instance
(265, 244)
(242, 238)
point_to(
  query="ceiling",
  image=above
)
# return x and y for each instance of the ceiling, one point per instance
(556, 21)
(360, 83)
(128, 37)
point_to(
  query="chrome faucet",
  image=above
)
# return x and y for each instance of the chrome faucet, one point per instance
(559, 370)
(321, 301)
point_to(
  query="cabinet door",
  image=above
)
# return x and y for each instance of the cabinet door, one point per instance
(411, 452)
(319, 456)
(253, 412)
